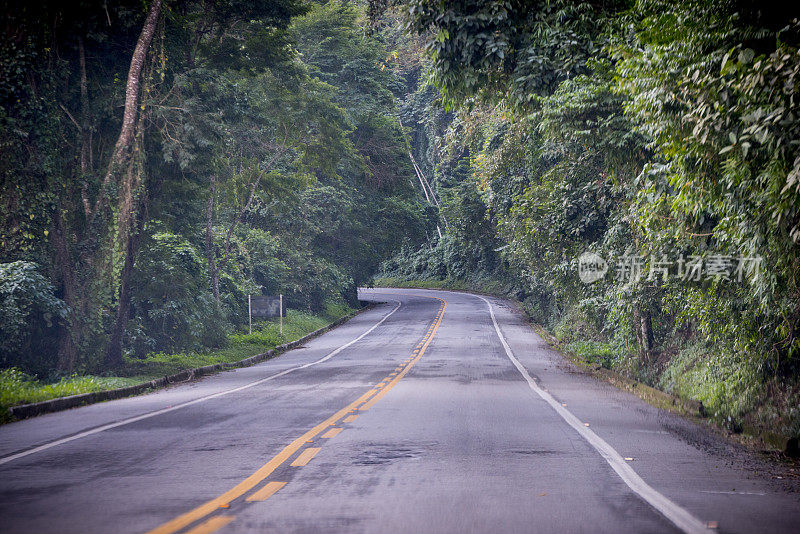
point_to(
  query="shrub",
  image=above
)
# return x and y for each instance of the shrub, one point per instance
(29, 317)
(172, 307)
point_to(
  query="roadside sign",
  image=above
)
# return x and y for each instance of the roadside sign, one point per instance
(265, 306)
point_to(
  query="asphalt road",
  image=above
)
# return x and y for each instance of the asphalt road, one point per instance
(432, 412)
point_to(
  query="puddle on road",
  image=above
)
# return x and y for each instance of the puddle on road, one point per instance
(384, 453)
(533, 451)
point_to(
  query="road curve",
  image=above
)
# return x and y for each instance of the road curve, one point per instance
(433, 412)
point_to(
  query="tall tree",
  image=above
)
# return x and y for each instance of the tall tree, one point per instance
(129, 203)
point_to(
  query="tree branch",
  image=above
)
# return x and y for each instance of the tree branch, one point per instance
(240, 215)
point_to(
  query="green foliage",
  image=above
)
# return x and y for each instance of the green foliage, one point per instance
(29, 315)
(339, 53)
(265, 152)
(650, 128)
(172, 307)
(713, 99)
(507, 49)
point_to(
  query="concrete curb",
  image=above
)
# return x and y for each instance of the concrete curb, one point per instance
(23, 411)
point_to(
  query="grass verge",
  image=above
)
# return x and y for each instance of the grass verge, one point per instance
(17, 387)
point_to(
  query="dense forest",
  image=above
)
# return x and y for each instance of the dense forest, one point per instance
(629, 171)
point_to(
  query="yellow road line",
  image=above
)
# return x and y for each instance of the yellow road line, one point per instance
(305, 457)
(266, 492)
(369, 404)
(253, 480)
(212, 525)
(332, 433)
(182, 521)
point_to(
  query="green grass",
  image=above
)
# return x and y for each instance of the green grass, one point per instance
(17, 387)
(593, 352)
(266, 335)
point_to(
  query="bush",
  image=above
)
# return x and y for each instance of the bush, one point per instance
(29, 317)
(305, 279)
(172, 307)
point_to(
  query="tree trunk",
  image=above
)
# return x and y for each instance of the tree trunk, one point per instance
(213, 274)
(67, 350)
(114, 350)
(86, 146)
(647, 334)
(122, 146)
(127, 236)
(644, 332)
(113, 357)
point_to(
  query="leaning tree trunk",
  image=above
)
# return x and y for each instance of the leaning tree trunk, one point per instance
(114, 350)
(67, 349)
(129, 116)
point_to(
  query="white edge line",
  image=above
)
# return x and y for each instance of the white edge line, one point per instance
(109, 426)
(681, 517)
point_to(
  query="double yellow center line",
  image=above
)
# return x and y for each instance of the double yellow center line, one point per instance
(346, 415)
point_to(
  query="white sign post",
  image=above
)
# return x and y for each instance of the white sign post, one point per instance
(250, 312)
(281, 314)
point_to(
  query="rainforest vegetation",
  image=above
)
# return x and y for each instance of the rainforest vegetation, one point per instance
(162, 160)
